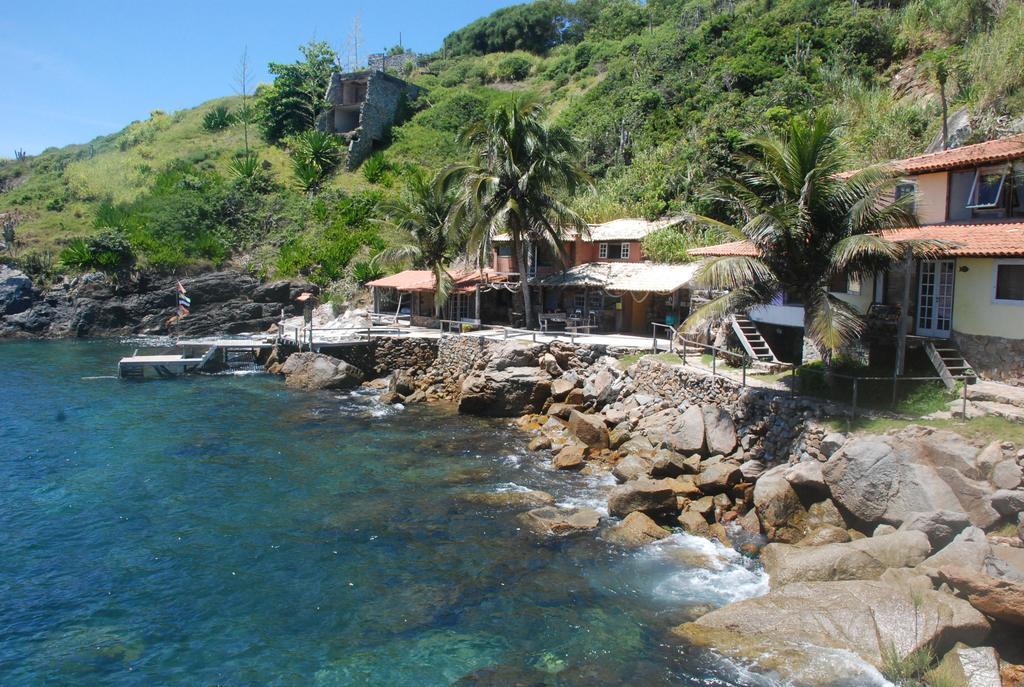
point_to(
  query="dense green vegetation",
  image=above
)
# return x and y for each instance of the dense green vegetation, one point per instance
(658, 95)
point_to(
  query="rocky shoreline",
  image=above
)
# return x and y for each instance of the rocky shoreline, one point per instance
(879, 547)
(94, 304)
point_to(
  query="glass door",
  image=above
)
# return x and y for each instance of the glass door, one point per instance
(935, 298)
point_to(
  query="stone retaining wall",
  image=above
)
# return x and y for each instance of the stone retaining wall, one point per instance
(993, 357)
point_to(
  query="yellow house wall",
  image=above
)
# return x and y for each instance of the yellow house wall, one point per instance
(973, 309)
(931, 197)
(862, 299)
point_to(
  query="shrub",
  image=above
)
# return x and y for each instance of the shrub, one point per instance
(363, 272)
(513, 68)
(315, 154)
(109, 251)
(671, 244)
(218, 118)
(252, 174)
(378, 170)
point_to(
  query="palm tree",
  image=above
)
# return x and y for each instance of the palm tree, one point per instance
(519, 170)
(428, 238)
(808, 224)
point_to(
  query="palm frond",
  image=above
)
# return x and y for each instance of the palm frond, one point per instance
(829, 322)
(732, 271)
(734, 302)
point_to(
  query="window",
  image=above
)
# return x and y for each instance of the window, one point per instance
(908, 188)
(987, 190)
(613, 251)
(1008, 282)
(838, 284)
(843, 283)
(1017, 192)
(504, 250)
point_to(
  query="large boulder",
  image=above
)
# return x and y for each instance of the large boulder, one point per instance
(1001, 599)
(868, 618)
(560, 521)
(1006, 474)
(719, 430)
(940, 526)
(886, 479)
(683, 433)
(313, 371)
(863, 559)
(589, 429)
(507, 392)
(645, 495)
(807, 478)
(1008, 502)
(635, 530)
(972, 666)
(514, 354)
(781, 512)
(718, 478)
(15, 291)
(631, 467)
(970, 549)
(569, 457)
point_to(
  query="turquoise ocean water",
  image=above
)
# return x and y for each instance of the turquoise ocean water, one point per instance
(224, 530)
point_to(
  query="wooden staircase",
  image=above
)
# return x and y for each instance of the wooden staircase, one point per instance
(751, 340)
(948, 361)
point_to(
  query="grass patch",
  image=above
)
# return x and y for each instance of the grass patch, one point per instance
(633, 358)
(983, 429)
(909, 669)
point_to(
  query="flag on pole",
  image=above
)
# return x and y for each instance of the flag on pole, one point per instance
(184, 302)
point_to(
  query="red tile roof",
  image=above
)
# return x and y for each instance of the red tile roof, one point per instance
(998, 150)
(744, 248)
(423, 280)
(972, 240)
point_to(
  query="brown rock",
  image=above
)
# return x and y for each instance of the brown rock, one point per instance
(683, 486)
(561, 410)
(694, 523)
(569, 458)
(560, 521)
(719, 430)
(560, 388)
(539, 443)
(1001, 599)
(643, 495)
(704, 505)
(718, 478)
(590, 429)
(636, 529)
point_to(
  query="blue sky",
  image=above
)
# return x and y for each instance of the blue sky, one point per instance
(74, 70)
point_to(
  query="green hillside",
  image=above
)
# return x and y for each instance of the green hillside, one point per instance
(659, 94)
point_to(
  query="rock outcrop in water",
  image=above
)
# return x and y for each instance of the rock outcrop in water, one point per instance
(314, 371)
(226, 302)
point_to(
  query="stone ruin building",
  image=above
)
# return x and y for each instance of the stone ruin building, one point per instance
(361, 107)
(392, 63)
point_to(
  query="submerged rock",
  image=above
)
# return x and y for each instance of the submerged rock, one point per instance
(636, 529)
(560, 521)
(508, 499)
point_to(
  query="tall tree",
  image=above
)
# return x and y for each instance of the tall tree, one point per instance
(292, 103)
(808, 225)
(427, 235)
(519, 171)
